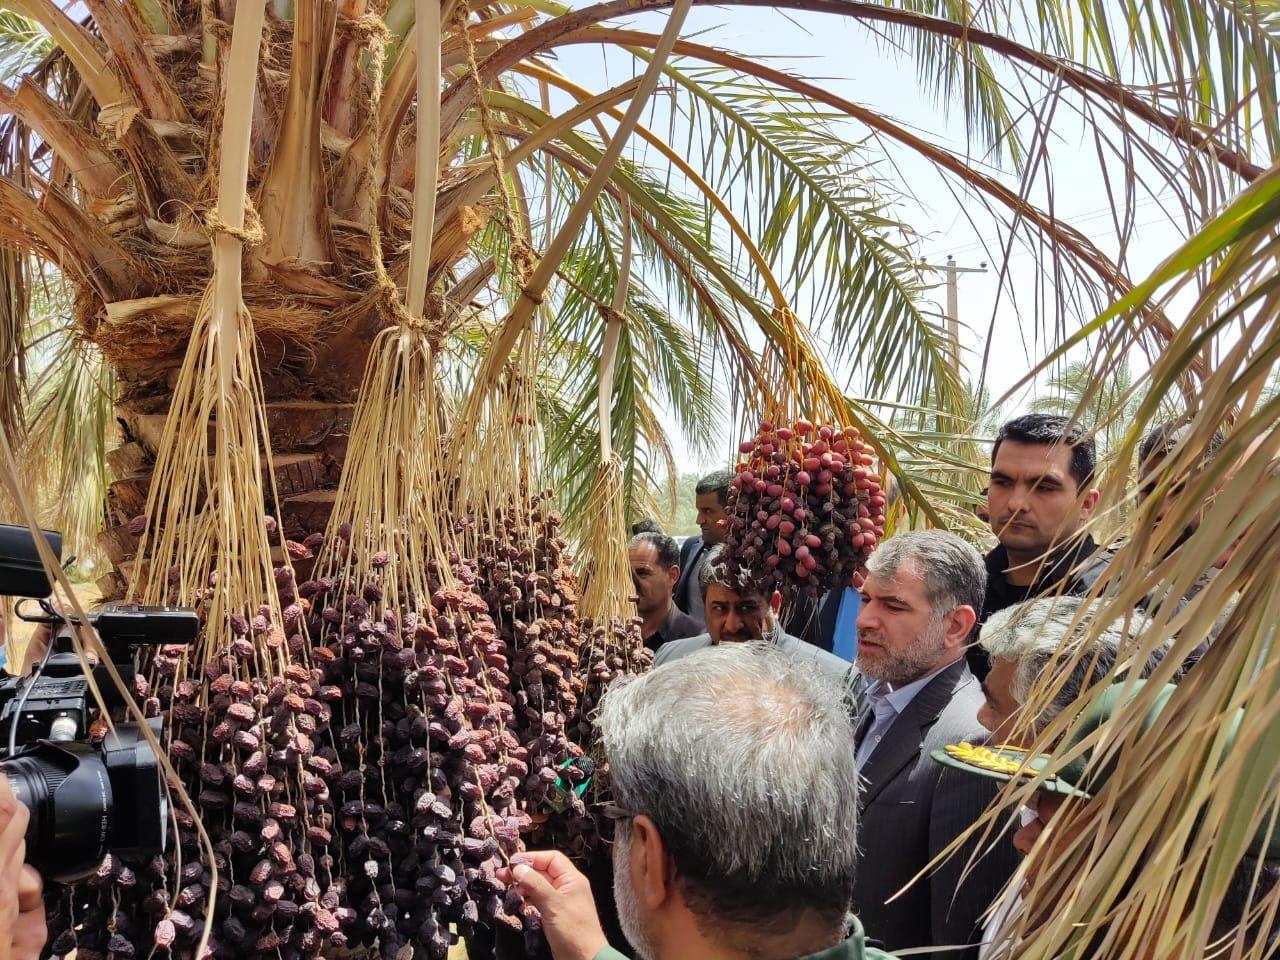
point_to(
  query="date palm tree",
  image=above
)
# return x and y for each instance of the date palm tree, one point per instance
(114, 143)
(367, 261)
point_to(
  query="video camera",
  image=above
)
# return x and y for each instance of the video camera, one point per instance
(85, 798)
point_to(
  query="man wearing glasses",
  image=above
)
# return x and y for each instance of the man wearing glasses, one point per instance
(735, 829)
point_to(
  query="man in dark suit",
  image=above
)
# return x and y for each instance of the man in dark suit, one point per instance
(711, 495)
(919, 604)
(655, 565)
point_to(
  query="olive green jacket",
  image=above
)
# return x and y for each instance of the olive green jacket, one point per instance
(854, 948)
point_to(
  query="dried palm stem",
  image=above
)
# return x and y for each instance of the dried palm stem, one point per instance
(390, 497)
(606, 570)
(92, 167)
(79, 47)
(350, 60)
(427, 167)
(123, 32)
(205, 526)
(14, 303)
(295, 216)
(603, 555)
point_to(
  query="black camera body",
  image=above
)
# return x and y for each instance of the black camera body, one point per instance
(56, 703)
(85, 798)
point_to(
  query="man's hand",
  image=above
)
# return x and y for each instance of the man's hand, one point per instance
(41, 637)
(22, 928)
(563, 896)
(30, 932)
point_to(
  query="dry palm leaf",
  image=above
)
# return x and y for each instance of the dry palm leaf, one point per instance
(391, 498)
(1146, 864)
(206, 530)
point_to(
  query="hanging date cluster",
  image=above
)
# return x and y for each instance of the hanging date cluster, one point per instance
(559, 665)
(363, 768)
(806, 507)
(248, 748)
(426, 800)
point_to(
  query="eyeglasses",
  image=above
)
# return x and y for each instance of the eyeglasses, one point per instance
(614, 813)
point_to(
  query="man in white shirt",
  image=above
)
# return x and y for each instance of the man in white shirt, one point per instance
(920, 601)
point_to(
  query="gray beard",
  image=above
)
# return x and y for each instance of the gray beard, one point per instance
(624, 892)
(912, 663)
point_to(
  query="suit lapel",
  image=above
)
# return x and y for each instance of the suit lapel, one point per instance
(862, 717)
(689, 556)
(901, 744)
(827, 616)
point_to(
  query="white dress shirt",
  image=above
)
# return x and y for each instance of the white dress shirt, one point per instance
(1008, 906)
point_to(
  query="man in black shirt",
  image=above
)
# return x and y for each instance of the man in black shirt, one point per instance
(1040, 496)
(655, 566)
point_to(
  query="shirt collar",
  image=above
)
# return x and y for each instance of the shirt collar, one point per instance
(852, 948)
(774, 635)
(900, 697)
(1055, 570)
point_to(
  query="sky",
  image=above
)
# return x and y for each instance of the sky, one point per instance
(854, 63)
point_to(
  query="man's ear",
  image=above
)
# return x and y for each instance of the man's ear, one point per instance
(959, 625)
(775, 603)
(673, 574)
(651, 869)
(1088, 502)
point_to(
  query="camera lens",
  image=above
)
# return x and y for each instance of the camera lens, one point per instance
(86, 801)
(68, 793)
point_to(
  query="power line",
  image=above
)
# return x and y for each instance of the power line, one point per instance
(986, 243)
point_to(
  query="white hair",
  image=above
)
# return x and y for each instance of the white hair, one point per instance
(743, 758)
(1043, 635)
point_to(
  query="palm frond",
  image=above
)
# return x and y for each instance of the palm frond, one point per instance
(960, 74)
(23, 44)
(1208, 61)
(826, 222)
(72, 426)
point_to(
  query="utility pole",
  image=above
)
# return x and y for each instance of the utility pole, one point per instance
(953, 271)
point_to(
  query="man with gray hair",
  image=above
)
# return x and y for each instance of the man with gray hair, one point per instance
(1030, 641)
(1044, 638)
(737, 611)
(735, 830)
(920, 600)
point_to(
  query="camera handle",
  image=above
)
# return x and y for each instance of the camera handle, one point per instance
(59, 657)
(26, 692)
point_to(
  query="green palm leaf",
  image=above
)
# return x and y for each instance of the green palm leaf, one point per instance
(827, 225)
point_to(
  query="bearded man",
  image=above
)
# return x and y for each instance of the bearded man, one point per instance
(735, 830)
(920, 600)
